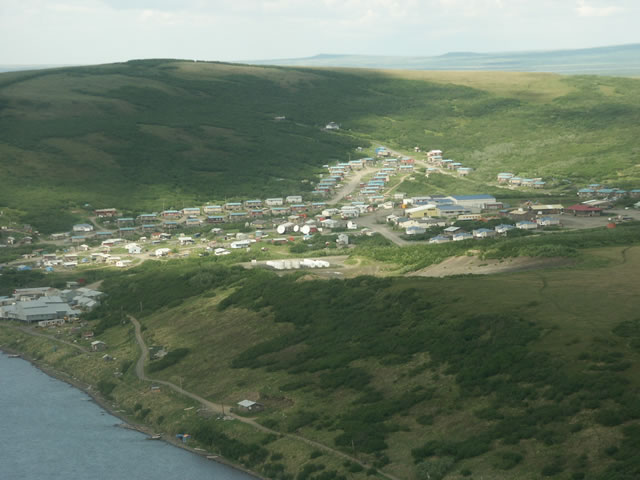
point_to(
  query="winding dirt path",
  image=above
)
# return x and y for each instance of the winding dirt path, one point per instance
(218, 408)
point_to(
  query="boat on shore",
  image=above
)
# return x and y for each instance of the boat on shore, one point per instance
(157, 436)
(14, 355)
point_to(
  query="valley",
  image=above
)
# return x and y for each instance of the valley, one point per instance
(320, 273)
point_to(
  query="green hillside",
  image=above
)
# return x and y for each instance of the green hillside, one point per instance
(527, 375)
(144, 135)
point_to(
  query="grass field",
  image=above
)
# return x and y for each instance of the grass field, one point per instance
(148, 135)
(525, 375)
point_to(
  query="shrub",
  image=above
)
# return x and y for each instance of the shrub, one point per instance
(168, 360)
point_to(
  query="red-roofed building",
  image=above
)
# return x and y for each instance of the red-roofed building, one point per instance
(584, 210)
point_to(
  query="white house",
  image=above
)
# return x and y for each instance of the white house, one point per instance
(332, 126)
(241, 244)
(503, 228)
(133, 249)
(439, 239)
(526, 225)
(274, 202)
(415, 230)
(484, 233)
(161, 252)
(547, 221)
(330, 223)
(83, 227)
(294, 199)
(185, 240)
(458, 237)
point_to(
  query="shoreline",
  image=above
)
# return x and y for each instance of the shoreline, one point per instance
(104, 404)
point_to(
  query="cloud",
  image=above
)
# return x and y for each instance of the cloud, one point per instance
(585, 10)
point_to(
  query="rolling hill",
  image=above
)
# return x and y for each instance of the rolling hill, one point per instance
(528, 375)
(154, 134)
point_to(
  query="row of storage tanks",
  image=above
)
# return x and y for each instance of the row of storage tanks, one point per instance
(296, 264)
(292, 227)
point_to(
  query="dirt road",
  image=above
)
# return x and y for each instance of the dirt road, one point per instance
(218, 408)
(351, 185)
(371, 222)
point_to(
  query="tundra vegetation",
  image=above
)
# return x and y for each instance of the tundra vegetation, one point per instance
(522, 375)
(505, 375)
(145, 134)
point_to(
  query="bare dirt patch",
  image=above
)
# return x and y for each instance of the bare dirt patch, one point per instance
(475, 266)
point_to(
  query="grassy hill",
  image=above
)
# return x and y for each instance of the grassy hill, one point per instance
(144, 135)
(528, 375)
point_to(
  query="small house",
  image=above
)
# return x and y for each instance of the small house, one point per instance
(526, 225)
(250, 406)
(458, 237)
(548, 221)
(584, 210)
(483, 233)
(98, 346)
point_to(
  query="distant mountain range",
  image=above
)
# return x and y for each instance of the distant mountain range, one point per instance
(18, 68)
(623, 60)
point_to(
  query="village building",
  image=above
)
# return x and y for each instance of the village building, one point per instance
(503, 229)
(439, 239)
(458, 237)
(232, 206)
(171, 214)
(42, 308)
(133, 249)
(473, 202)
(195, 211)
(250, 406)
(237, 216)
(207, 209)
(451, 210)
(125, 221)
(216, 219)
(274, 202)
(253, 204)
(105, 212)
(449, 231)
(547, 221)
(547, 209)
(83, 227)
(470, 216)
(145, 218)
(526, 225)
(504, 177)
(584, 210)
(484, 233)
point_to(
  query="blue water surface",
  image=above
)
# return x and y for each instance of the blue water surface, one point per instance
(50, 430)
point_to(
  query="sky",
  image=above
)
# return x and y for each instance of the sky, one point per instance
(56, 32)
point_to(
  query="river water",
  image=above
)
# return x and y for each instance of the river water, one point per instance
(50, 430)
